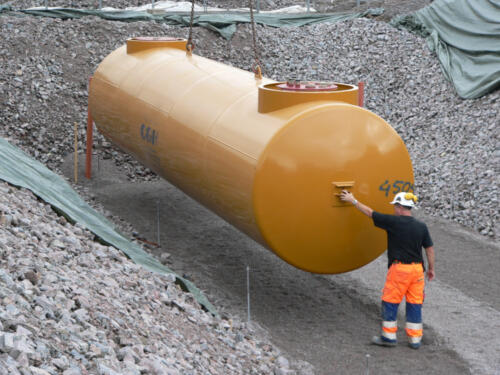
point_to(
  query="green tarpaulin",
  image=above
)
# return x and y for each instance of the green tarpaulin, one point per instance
(465, 34)
(222, 23)
(19, 169)
(5, 7)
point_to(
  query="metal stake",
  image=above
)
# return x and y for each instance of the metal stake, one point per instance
(152, 4)
(248, 293)
(205, 6)
(100, 4)
(76, 153)
(46, 4)
(258, 6)
(90, 129)
(99, 150)
(368, 364)
(308, 2)
(158, 220)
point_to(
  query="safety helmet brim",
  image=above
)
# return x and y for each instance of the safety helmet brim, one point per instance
(401, 200)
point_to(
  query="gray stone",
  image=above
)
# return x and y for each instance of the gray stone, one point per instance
(24, 222)
(6, 342)
(81, 315)
(22, 331)
(62, 363)
(102, 369)
(73, 371)
(38, 371)
(6, 220)
(57, 244)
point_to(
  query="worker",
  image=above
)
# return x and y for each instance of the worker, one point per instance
(406, 236)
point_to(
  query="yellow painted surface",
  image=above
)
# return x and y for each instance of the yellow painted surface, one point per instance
(271, 166)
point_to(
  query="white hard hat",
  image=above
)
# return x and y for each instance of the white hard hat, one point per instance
(405, 199)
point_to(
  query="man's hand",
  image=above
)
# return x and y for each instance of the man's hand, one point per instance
(347, 197)
(430, 275)
(429, 251)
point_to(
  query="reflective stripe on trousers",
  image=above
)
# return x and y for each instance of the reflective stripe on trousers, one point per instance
(403, 280)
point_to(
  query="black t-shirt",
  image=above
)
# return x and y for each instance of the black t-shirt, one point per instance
(405, 237)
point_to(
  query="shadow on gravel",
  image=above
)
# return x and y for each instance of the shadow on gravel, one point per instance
(308, 316)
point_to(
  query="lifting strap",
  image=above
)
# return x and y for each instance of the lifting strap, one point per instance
(256, 65)
(190, 44)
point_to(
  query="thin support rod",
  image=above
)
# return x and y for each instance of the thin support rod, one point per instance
(90, 129)
(248, 293)
(76, 153)
(158, 221)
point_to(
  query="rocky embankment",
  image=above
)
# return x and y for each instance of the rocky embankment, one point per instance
(72, 306)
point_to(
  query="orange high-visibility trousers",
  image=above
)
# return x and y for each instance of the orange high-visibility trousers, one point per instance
(403, 280)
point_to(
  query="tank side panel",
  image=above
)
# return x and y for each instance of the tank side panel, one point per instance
(163, 118)
(235, 144)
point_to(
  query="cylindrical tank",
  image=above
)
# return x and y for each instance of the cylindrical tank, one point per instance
(268, 157)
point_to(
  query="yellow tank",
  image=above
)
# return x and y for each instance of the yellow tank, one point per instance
(268, 157)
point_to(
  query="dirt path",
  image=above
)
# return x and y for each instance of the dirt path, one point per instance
(325, 320)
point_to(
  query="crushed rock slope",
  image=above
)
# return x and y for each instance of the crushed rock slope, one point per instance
(73, 306)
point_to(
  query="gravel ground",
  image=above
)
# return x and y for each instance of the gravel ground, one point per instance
(453, 142)
(73, 306)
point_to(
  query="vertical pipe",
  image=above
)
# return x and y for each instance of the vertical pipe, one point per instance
(46, 4)
(76, 153)
(205, 6)
(100, 4)
(367, 364)
(90, 129)
(308, 2)
(361, 94)
(248, 293)
(258, 6)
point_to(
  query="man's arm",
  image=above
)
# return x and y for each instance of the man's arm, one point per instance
(429, 251)
(348, 197)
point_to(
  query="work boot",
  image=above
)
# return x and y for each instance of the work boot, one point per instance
(414, 345)
(377, 340)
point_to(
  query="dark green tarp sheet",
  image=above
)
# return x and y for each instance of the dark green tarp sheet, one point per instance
(222, 23)
(19, 169)
(5, 7)
(465, 34)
